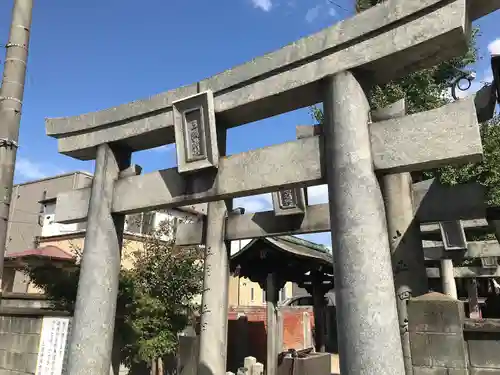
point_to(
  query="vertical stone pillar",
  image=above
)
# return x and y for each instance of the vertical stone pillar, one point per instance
(318, 294)
(448, 278)
(213, 337)
(367, 321)
(272, 324)
(474, 310)
(408, 259)
(94, 319)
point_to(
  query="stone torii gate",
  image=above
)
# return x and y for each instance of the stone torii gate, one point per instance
(335, 66)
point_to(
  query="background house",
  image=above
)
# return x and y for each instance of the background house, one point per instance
(33, 232)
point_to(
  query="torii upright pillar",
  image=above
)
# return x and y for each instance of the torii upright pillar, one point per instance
(94, 320)
(368, 331)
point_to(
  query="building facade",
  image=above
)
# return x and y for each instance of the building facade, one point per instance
(32, 227)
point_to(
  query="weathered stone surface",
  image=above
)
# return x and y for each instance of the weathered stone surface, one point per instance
(261, 224)
(418, 140)
(289, 202)
(429, 371)
(484, 371)
(436, 202)
(433, 228)
(293, 163)
(435, 312)
(436, 331)
(213, 335)
(484, 349)
(365, 296)
(252, 172)
(465, 272)
(271, 89)
(434, 250)
(91, 341)
(456, 121)
(407, 255)
(195, 132)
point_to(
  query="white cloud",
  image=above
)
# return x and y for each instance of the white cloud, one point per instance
(494, 47)
(165, 148)
(317, 194)
(255, 203)
(332, 12)
(265, 5)
(28, 170)
(313, 13)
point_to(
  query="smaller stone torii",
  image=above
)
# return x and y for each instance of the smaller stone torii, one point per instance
(336, 66)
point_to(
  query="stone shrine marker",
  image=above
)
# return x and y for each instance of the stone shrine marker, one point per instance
(335, 66)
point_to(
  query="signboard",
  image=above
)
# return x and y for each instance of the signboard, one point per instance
(53, 347)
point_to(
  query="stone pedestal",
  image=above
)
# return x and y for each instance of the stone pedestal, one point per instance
(436, 324)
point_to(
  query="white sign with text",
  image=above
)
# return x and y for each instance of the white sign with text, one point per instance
(53, 347)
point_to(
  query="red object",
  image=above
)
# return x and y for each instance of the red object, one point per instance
(49, 252)
(256, 341)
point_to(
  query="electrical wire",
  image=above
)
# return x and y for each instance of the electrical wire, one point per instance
(338, 5)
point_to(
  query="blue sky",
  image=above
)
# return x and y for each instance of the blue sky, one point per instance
(90, 55)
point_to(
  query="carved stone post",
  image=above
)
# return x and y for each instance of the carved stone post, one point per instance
(474, 310)
(94, 320)
(213, 338)
(367, 321)
(448, 278)
(408, 260)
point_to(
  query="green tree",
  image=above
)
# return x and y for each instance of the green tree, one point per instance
(156, 296)
(425, 90)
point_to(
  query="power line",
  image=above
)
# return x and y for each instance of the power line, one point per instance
(338, 5)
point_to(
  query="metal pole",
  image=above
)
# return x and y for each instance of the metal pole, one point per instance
(11, 99)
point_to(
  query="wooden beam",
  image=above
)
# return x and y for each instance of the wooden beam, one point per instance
(293, 163)
(288, 79)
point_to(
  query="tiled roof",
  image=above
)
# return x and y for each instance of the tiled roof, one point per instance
(52, 252)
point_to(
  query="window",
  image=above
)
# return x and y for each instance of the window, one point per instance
(252, 296)
(143, 223)
(49, 208)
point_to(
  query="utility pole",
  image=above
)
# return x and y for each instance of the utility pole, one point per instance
(11, 100)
